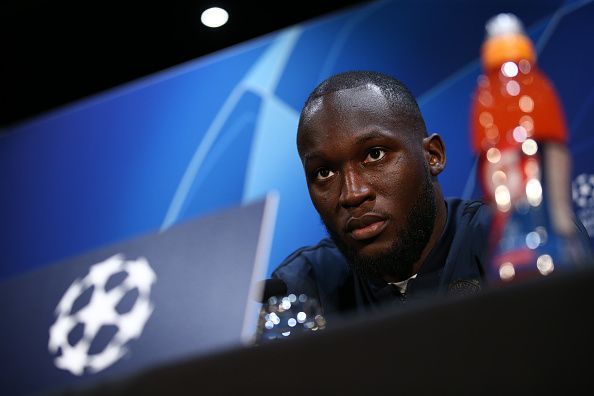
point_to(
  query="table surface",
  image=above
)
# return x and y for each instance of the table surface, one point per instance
(529, 338)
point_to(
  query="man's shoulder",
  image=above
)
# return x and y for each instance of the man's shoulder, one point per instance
(470, 212)
(303, 259)
(320, 268)
(470, 227)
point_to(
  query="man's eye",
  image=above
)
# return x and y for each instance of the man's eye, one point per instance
(375, 154)
(323, 174)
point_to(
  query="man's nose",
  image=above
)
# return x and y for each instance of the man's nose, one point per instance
(355, 190)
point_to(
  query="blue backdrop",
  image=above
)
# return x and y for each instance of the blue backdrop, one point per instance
(220, 130)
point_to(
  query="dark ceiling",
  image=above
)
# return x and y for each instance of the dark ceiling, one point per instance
(57, 51)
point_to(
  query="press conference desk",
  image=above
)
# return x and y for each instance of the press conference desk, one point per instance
(532, 338)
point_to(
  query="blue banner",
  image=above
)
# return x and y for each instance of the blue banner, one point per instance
(220, 130)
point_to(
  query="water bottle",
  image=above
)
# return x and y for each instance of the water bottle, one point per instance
(284, 316)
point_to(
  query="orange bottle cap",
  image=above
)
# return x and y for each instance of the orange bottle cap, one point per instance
(507, 47)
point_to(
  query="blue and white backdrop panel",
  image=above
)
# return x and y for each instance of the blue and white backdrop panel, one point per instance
(220, 131)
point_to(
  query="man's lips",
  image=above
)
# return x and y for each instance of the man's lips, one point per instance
(366, 226)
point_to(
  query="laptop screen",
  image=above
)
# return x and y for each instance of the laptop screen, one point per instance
(180, 293)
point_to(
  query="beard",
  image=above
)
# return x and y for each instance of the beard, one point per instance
(406, 248)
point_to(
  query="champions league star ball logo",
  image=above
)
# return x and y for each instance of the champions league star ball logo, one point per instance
(582, 190)
(102, 310)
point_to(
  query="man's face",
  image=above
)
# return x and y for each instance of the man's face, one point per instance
(368, 179)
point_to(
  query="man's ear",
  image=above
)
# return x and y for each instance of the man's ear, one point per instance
(435, 154)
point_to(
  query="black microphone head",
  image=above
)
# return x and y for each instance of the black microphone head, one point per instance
(273, 287)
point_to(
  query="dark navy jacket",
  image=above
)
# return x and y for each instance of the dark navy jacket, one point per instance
(454, 266)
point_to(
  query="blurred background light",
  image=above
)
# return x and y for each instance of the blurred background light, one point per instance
(214, 17)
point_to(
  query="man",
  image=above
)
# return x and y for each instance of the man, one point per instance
(371, 170)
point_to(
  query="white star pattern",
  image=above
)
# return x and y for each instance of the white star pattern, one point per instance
(133, 322)
(59, 332)
(99, 274)
(100, 311)
(73, 359)
(69, 297)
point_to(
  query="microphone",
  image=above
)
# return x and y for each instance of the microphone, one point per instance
(272, 287)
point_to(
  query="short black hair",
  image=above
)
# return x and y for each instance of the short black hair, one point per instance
(399, 97)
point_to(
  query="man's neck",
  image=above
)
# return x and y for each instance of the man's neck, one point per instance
(441, 216)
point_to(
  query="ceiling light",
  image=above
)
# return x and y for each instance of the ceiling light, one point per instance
(214, 17)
